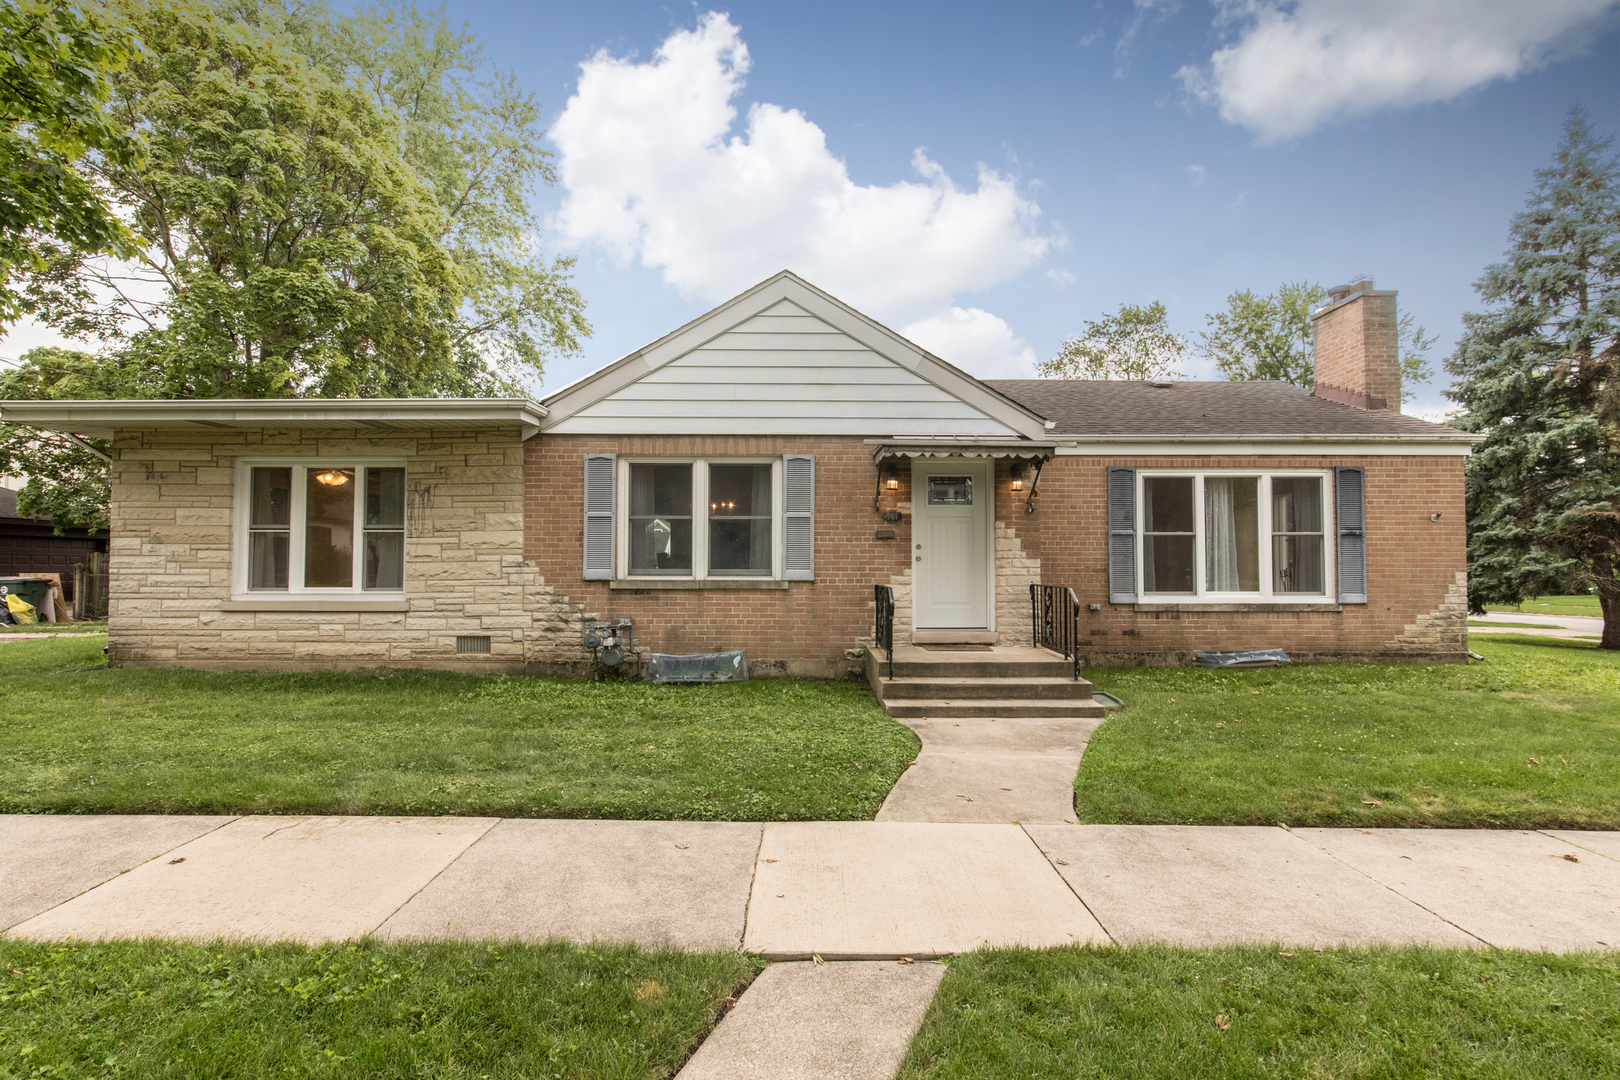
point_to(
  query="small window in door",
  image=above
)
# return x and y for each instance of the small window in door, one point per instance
(950, 491)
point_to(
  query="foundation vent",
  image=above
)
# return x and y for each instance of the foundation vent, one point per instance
(472, 645)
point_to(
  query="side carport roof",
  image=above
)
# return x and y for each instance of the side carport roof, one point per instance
(99, 419)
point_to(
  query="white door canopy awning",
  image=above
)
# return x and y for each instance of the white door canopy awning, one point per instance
(1023, 449)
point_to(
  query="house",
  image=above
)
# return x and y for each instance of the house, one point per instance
(748, 480)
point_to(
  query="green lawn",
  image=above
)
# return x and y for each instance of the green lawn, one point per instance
(423, 742)
(1152, 1012)
(1581, 604)
(158, 1010)
(55, 628)
(1528, 739)
(1518, 625)
(1539, 640)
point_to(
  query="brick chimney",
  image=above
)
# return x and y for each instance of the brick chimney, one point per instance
(1357, 359)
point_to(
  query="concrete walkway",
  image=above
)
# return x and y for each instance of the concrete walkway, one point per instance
(854, 890)
(810, 1021)
(991, 770)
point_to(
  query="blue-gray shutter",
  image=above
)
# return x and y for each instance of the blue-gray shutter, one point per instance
(599, 498)
(798, 517)
(1350, 491)
(1121, 535)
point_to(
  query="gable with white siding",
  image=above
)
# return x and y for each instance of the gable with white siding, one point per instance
(795, 364)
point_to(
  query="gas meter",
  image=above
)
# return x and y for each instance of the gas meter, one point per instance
(609, 642)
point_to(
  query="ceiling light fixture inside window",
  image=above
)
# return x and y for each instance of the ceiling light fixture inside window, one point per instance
(332, 477)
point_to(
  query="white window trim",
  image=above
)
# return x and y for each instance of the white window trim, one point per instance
(700, 515)
(1265, 595)
(295, 589)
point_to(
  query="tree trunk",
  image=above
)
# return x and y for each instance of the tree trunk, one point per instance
(1608, 590)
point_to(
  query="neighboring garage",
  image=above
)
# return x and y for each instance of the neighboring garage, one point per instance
(31, 546)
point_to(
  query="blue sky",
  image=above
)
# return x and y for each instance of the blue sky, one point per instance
(1112, 179)
(987, 176)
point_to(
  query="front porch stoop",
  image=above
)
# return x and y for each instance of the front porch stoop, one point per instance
(1003, 683)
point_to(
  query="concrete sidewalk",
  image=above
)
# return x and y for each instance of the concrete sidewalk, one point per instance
(851, 890)
(1561, 626)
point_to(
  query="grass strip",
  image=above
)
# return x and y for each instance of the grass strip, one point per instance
(367, 1009)
(432, 742)
(1529, 739)
(1542, 640)
(54, 628)
(1516, 625)
(1369, 1014)
(1581, 604)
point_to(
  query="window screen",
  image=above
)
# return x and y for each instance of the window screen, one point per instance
(269, 528)
(740, 519)
(661, 519)
(385, 529)
(1168, 536)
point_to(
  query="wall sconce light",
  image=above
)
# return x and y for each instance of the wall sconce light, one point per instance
(891, 476)
(1018, 476)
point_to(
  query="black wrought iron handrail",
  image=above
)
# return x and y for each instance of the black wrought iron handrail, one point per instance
(884, 631)
(1054, 612)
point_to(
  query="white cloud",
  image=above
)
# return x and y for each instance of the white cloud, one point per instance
(654, 171)
(1060, 277)
(1196, 174)
(1297, 67)
(979, 343)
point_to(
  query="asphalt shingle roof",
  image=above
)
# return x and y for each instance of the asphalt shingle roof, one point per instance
(1088, 407)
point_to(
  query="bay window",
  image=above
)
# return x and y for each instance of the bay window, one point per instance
(700, 518)
(1234, 535)
(323, 528)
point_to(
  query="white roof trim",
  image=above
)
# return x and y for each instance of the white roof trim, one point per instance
(1460, 444)
(583, 393)
(1466, 438)
(99, 419)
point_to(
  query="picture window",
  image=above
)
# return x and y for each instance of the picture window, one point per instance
(325, 528)
(700, 519)
(1255, 536)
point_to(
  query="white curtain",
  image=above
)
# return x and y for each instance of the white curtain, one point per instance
(1220, 534)
(759, 554)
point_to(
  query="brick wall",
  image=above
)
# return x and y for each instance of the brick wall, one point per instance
(170, 560)
(494, 547)
(812, 627)
(1416, 569)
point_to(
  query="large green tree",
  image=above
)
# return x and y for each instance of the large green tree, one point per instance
(329, 205)
(1538, 373)
(286, 248)
(55, 63)
(1272, 337)
(1133, 343)
(473, 134)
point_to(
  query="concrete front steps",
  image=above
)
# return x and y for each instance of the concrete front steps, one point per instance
(1003, 683)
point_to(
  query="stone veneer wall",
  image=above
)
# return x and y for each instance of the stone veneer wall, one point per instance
(173, 495)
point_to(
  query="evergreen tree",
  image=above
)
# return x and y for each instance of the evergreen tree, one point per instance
(1537, 375)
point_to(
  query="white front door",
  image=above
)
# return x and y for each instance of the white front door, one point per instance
(951, 512)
